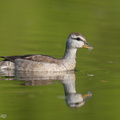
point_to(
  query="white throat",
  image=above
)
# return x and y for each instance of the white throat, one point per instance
(70, 53)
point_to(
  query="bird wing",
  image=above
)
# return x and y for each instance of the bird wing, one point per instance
(37, 58)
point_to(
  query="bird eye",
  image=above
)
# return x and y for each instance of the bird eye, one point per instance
(78, 39)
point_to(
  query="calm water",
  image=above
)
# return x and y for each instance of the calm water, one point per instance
(41, 27)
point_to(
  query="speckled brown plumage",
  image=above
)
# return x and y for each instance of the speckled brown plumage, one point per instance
(37, 58)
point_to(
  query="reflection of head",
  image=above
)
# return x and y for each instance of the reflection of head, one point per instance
(75, 100)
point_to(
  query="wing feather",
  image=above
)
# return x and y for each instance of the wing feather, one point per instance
(37, 58)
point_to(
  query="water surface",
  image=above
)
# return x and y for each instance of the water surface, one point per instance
(41, 27)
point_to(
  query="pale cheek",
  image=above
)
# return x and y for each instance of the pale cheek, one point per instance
(80, 44)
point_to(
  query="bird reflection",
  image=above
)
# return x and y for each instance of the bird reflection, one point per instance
(67, 79)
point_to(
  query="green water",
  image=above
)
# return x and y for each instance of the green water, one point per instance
(41, 27)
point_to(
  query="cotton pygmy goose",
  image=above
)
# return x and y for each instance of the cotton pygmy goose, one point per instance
(48, 63)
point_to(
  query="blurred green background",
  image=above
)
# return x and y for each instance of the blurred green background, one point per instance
(41, 27)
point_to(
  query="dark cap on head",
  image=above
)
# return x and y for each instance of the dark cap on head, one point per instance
(77, 34)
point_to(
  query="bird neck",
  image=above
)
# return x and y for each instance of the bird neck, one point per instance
(70, 53)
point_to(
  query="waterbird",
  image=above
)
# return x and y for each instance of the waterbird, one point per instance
(34, 62)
